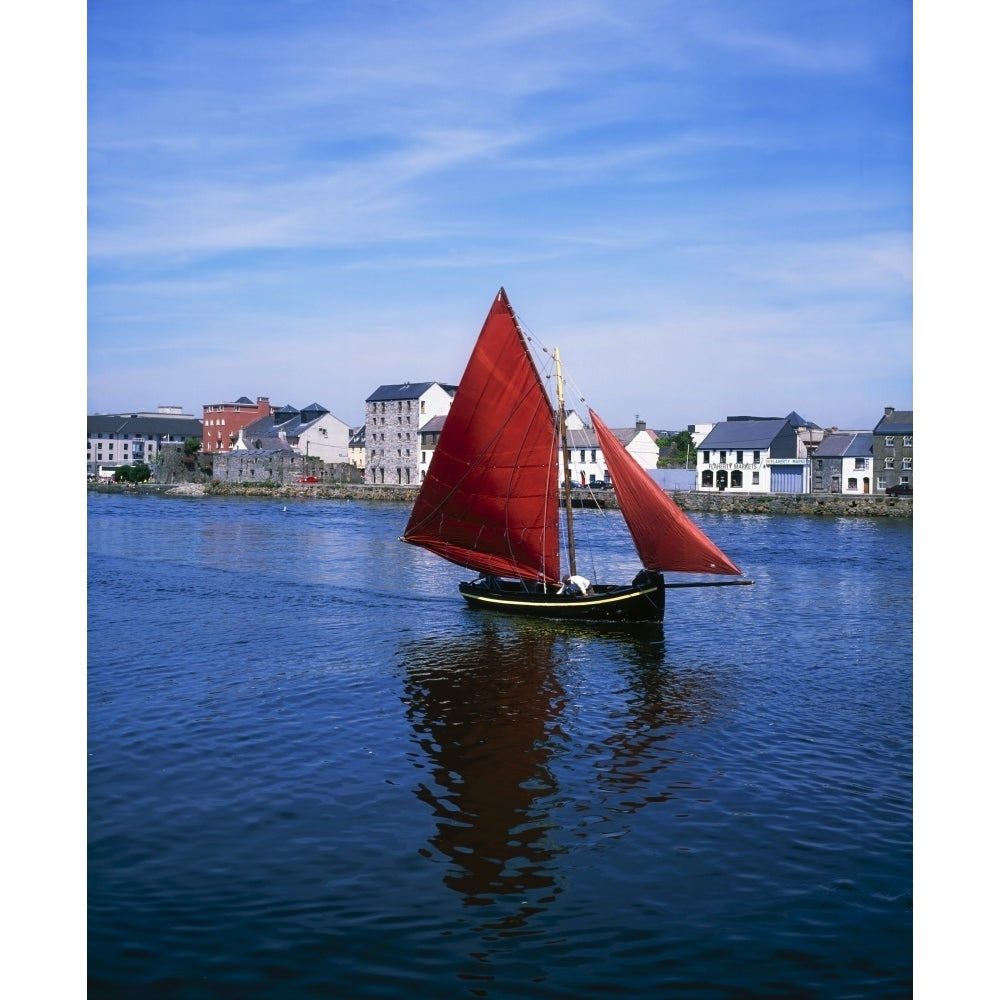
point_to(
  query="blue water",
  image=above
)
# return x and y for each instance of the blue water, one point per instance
(313, 772)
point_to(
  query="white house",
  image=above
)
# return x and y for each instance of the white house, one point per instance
(752, 455)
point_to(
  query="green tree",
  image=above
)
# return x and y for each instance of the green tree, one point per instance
(676, 449)
(192, 446)
(138, 473)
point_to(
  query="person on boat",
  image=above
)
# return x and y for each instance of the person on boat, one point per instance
(574, 586)
(489, 581)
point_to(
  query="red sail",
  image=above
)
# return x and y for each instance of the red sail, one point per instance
(666, 539)
(489, 500)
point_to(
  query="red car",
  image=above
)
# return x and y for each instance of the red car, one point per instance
(308, 479)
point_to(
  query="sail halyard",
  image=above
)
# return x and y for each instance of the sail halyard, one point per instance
(564, 453)
(489, 499)
(666, 539)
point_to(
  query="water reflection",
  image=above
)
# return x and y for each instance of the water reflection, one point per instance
(482, 707)
(500, 734)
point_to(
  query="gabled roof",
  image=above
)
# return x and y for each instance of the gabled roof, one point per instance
(407, 390)
(433, 425)
(291, 422)
(845, 444)
(896, 422)
(744, 432)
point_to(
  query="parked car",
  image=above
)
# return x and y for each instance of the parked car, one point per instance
(599, 484)
(900, 490)
(309, 479)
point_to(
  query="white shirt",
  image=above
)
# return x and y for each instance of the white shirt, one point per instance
(581, 581)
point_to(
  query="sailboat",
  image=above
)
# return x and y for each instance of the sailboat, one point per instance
(491, 501)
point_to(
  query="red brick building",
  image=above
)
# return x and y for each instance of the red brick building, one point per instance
(221, 422)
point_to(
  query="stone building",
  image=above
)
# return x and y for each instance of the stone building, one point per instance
(394, 415)
(843, 463)
(892, 449)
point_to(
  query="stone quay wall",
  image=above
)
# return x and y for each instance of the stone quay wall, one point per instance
(810, 504)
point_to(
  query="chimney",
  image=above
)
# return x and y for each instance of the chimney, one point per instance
(890, 410)
(640, 425)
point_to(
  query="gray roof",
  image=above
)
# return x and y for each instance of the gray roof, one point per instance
(143, 424)
(290, 421)
(433, 425)
(795, 419)
(845, 444)
(897, 422)
(406, 390)
(744, 432)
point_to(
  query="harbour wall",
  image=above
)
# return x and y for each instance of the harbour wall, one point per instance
(810, 504)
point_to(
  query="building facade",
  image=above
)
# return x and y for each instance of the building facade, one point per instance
(892, 449)
(221, 422)
(313, 432)
(843, 463)
(394, 415)
(117, 439)
(752, 455)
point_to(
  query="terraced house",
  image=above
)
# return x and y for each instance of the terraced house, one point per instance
(892, 449)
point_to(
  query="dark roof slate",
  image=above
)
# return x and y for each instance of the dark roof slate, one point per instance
(845, 444)
(897, 422)
(744, 433)
(406, 390)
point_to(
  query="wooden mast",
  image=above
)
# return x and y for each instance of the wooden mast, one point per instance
(564, 447)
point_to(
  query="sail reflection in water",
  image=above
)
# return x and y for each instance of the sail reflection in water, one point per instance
(483, 709)
(520, 766)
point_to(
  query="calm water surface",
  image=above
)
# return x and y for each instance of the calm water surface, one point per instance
(313, 772)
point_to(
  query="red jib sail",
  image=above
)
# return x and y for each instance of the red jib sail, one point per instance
(665, 537)
(489, 500)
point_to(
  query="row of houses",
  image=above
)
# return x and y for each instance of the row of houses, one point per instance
(252, 439)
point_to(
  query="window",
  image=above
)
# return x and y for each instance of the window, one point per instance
(756, 479)
(907, 440)
(737, 479)
(860, 463)
(722, 458)
(890, 441)
(819, 465)
(739, 458)
(583, 454)
(890, 463)
(706, 459)
(907, 464)
(852, 484)
(593, 454)
(756, 458)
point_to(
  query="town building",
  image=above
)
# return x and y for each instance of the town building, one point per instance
(892, 449)
(313, 432)
(394, 416)
(221, 422)
(753, 455)
(842, 463)
(356, 448)
(117, 439)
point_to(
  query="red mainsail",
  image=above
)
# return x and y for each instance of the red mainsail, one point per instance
(665, 537)
(489, 500)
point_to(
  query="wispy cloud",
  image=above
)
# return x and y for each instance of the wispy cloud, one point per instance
(318, 173)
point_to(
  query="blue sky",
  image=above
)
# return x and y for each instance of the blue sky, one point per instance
(708, 207)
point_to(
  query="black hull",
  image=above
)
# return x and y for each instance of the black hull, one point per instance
(638, 602)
